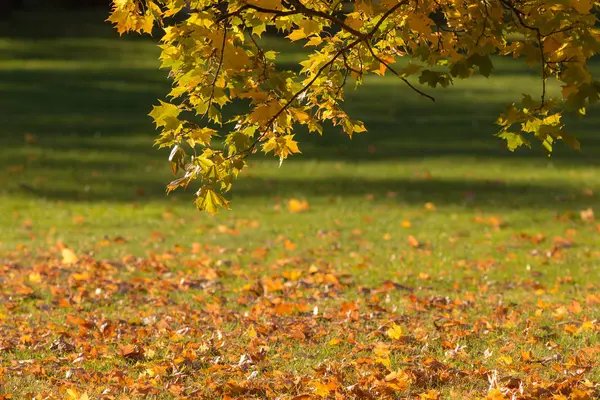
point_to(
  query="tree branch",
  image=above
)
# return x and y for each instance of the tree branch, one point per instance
(388, 66)
(212, 92)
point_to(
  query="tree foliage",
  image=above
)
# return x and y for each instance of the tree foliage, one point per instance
(215, 57)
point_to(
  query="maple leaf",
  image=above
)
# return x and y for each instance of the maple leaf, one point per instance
(75, 396)
(320, 389)
(495, 394)
(164, 113)
(395, 332)
(210, 201)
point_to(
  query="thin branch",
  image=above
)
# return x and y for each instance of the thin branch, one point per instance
(539, 36)
(214, 83)
(485, 23)
(392, 70)
(237, 12)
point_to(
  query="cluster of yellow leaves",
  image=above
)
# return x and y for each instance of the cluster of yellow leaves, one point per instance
(215, 57)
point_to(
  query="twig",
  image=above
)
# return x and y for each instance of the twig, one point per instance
(388, 66)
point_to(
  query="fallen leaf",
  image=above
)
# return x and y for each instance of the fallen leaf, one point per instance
(587, 215)
(69, 256)
(296, 206)
(132, 352)
(320, 389)
(395, 332)
(413, 242)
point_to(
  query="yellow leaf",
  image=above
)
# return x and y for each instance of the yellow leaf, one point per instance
(395, 332)
(587, 326)
(321, 389)
(429, 395)
(382, 354)
(73, 394)
(354, 23)
(301, 116)
(419, 22)
(397, 380)
(296, 34)
(35, 277)
(495, 394)
(121, 4)
(506, 359)
(251, 332)
(69, 256)
(582, 6)
(84, 276)
(581, 394)
(296, 206)
(210, 201)
(314, 41)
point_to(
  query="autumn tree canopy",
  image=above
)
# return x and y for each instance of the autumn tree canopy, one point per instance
(215, 57)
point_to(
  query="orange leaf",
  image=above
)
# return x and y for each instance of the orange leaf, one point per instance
(132, 352)
(413, 242)
(297, 206)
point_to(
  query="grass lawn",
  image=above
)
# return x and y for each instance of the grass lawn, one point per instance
(431, 263)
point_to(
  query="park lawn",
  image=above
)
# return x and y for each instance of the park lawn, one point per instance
(427, 260)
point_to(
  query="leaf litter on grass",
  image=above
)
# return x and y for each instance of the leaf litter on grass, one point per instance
(209, 322)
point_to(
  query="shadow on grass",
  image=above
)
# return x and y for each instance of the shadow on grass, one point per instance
(470, 193)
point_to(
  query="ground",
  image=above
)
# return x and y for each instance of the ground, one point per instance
(420, 260)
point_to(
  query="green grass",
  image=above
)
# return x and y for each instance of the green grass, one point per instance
(92, 176)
